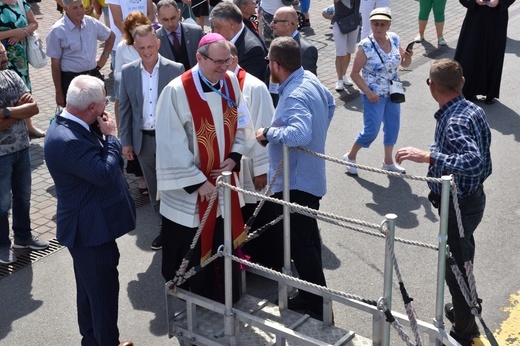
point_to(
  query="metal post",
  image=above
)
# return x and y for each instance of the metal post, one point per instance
(441, 258)
(389, 273)
(229, 326)
(283, 288)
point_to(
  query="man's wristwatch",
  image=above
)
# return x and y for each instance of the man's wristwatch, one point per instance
(433, 155)
(265, 141)
(6, 112)
(105, 54)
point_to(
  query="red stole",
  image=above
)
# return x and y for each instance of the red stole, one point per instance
(210, 158)
(241, 76)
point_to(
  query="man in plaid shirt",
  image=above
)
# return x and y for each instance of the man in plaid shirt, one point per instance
(461, 149)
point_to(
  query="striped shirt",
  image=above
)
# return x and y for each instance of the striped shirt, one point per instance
(461, 147)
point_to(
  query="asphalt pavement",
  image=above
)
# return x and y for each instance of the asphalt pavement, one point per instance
(38, 305)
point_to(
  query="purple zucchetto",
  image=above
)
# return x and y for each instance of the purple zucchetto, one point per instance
(210, 38)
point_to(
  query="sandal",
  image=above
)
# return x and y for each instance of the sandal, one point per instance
(144, 191)
(36, 133)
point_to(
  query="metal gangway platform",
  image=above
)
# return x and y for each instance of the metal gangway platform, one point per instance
(195, 320)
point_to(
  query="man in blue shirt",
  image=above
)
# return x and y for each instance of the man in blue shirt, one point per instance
(301, 119)
(461, 148)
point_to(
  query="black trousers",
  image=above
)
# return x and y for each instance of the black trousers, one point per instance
(472, 208)
(97, 285)
(209, 282)
(267, 249)
(306, 245)
(67, 77)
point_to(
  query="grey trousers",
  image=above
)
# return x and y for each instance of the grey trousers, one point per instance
(147, 160)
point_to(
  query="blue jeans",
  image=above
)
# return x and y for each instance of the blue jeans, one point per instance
(15, 182)
(383, 112)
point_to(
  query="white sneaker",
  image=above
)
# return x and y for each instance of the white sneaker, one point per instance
(347, 81)
(394, 168)
(339, 86)
(350, 169)
(418, 39)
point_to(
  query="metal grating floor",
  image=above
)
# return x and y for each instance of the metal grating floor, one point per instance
(26, 257)
(210, 326)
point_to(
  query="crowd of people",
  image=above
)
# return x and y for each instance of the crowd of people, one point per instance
(191, 105)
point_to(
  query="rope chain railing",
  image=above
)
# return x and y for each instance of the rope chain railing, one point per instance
(368, 168)
(383, 306)
(262, 229)
(179, 274)
(251, 220)
(407, 300)
(329, 217)
(469, 293)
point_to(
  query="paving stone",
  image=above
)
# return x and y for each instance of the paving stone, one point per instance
(404, 23)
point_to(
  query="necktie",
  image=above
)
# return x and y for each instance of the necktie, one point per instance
(176, 44)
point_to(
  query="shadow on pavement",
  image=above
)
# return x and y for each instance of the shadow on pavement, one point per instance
(385, 197)
(18, 303)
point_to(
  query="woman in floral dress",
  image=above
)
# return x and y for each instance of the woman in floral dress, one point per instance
(14, 28)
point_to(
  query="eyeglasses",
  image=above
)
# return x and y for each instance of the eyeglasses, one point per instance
(106, 102)
(266, 58)
(276, 21)
(226, 62)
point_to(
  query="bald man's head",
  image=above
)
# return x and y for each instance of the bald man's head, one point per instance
(285, 21)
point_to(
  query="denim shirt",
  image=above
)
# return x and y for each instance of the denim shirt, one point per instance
(302, 119)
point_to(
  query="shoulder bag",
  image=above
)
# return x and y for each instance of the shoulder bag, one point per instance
(350, 22)
(396, 87)
(35, 52)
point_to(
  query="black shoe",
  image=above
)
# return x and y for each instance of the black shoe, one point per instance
(449, 312)
(297, 303)
(489, 100)
(157, 243)
(317, 315)
(471, 98)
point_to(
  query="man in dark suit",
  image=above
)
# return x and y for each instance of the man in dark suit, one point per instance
(248, 9)
(94, 205)
(142, 83)
(226, 19)
(179, 41)
(285, 23)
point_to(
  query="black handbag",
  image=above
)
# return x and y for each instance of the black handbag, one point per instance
(349, 22)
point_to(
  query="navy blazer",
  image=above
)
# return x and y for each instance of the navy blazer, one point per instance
(94, 201)
(309, 54)
(251, 54)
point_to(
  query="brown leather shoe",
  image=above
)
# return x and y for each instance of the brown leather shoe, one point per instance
(126, 343)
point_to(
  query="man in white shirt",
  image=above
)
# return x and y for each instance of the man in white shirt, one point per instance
(72, 46)
(142, 82)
